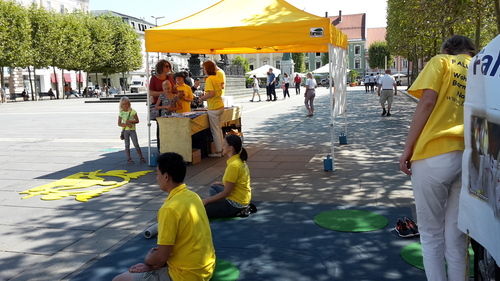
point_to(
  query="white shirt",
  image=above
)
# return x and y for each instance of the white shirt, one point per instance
(387, 82)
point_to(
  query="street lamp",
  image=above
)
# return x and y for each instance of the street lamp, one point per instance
(156, 24)
(156, 19)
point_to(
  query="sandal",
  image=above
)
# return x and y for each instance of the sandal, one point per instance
(130, 161)
(143, 160)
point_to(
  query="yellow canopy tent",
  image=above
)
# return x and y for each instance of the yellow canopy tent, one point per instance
(249, 27)
(244, 27)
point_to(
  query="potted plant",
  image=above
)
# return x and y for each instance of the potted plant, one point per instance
(352, 75)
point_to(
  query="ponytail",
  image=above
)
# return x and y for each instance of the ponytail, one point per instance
(236, 143)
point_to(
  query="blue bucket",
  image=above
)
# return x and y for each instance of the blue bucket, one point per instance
(153, 160)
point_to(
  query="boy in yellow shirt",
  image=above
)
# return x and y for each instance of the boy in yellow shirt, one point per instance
(185, 249)
(184, 93)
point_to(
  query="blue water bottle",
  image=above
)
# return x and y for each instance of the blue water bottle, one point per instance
(328, 163)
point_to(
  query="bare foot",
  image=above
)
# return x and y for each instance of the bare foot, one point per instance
(140, 267)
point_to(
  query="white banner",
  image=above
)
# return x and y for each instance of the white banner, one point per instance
(479, 211)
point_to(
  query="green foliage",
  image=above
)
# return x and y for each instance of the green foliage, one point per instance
(353, 74)
(324, 59)
(299, 60)
(240, 61)
(421, 36)
(127, 48)
(377, 55)
(15, 47)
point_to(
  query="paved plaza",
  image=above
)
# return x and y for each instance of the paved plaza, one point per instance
(46, 141)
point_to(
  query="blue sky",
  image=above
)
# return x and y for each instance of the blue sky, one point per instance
(174, 10)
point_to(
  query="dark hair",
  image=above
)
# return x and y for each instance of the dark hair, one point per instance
(210, 67)
(237, 144)
(160, 65)
(173, 164)
(458, 44)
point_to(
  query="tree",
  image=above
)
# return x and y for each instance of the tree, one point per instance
(75, 48)
(43, 35)
(240, 61)
(298, 59)
(126, 53)
(379, 55)
(15, 48)
(324, 59)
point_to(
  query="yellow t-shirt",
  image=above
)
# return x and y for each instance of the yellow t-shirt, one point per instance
(444, 130)
(186, 105)
(222, 78)
(128, 115)
(213, 84)
(183, 223)
(238, 173)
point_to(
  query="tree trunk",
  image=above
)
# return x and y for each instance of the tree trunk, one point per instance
(63, 85)
(57, 82)
(497, 12)
(31, 84)
(37, 91)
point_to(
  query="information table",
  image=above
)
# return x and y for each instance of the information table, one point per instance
(176, 132)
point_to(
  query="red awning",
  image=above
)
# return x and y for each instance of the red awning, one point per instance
(79, 77)
(54, 78)
(67, 77)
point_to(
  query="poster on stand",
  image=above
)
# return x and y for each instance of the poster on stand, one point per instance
(479, 210)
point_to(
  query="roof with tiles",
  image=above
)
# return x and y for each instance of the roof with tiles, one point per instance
(375, 35)
(353, 26)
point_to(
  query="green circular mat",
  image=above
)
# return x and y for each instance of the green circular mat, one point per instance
(412, 254)
(351, 220)
(225, 271)
(223, 219)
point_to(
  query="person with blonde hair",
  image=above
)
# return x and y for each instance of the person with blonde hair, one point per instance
(127, 119)
(215, 105)
(310, 94)
(432, 156)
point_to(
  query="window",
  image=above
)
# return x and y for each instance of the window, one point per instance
(278, 64)
(307, 65)
(318, 54)
(405, 63)
(133, 24)
(318, 64)
(357, 50)
(264, 62)
(357, 63)
(394, 64)
(251, 67)
(62, 9)
(48, 6)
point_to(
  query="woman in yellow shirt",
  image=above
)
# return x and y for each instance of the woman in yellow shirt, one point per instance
(433, 157)
(213, 96)
(233, 194)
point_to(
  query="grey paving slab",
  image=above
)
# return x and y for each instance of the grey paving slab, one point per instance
(47, 141)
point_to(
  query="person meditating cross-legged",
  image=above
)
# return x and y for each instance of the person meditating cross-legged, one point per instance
(229, 197)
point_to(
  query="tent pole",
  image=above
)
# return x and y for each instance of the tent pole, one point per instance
(332, 114)
(148, 109)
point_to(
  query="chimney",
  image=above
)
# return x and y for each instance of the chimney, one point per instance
(326, 14)
(340, 15)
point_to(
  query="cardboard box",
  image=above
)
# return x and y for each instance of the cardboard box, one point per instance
(196, 156)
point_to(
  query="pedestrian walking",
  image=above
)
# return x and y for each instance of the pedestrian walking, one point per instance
(310, 94)
(297, 80)
(255, 87)
(387, 89)
(366, 80)
(286, 84)
(433, 157)
(271, 85)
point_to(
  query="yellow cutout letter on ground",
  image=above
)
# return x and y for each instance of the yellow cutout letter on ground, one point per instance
(72, 185)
